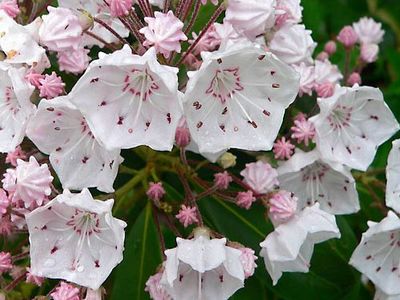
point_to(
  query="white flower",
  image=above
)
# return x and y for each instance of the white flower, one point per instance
(369, 31)
(15, 107)
(289, 248)
(59, 129)
(293, 44)
(237, 99)
(380, 295)
(313, 179)
(352, 124)
(378, 254)
(289, 10)
(393, 177)
(129, 100)
(202, 268)
(19, 45)
(75, 238)
(325, 72)
(250, 17)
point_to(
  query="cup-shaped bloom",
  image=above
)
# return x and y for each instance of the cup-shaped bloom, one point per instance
(393, 177)
(75, 238)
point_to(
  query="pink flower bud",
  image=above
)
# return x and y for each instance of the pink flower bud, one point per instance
(369, 52)
(4, 202)
(245, 199)
(222, 180)
(182, 134)
(247, 258)
(5, 262)
(353, 79)
(10, 7)
(155, 191)
(155, 289)
(65, 291)
(330, 47)
(282, 206)
(347, 36)
(283, 149)
(30, 278)
(187, 215)
(73, 61)
(12, 157)
(323, 56)
(119, 8)
(34, 78)
(325, 89)
(303, 131)
(51, 86)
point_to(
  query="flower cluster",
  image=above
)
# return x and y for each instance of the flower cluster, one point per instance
(159, 104)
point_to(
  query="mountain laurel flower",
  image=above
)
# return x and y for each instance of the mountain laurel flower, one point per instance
(290, 246)
(15, 107)
(61, 29)
(202, 268)
(325, 72)
(248, 260)
(369, 53)
(283, 149)
(60, 130)
(282, 206)
(164, 32)
(51, 86)
(155, 191)
(325, 90)
(209, 42)
(354, 78)
(65, 291)
(250, 17)
(347, 36)
(5, 262)
(12, 156)
(222, 180)
(368, 31)
(307, 78)
(352, 124)
(245, 199)
(187, 215)
(155, 289)
(4, 202)
(293, 44)
(313, 179)
(288, 11)
(393, 177)
(378, 254)
(75, 238)
(236, 96)
(73, 61)
(303, 131)
(10, 7)
(129, 100)
(260, 176)
(120, 8)
(29, 183)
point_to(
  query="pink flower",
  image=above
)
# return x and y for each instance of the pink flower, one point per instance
(260, 176)
(155, 289)
(37, 280)
(347, 36)
(65, 291)
(245, 199)
(120, 8)
(325, 89)
(322, 56)
(303, 131)
(282, 206)
(12, 157)
(209, 42)
(60, 30)
(73, 61)
(222, 180)
(34, 78)
(51, 86)
(247, 258)
(330, 47)
(187, 215)
(368, 31)
(5, 262)
(10, 7)
(182, 134)
(155, 191)
(283, 149)
(353, 79)
(4, 202)
(369, 52)
(29, 182)
(164, 32)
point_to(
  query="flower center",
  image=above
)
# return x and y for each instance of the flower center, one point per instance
(313, 176)
(84, 223)
(224, 84)
(140, 83)
(340, 117)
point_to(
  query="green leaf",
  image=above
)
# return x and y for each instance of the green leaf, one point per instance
(141, 258)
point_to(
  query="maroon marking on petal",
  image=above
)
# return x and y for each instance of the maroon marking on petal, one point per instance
(130, 130)
(97, 263)
(267, 113)
(58, 149)
(148, 124)
(394, 269)
(276, 85)
(103, 103)
(252, 123)
(368, 257)
(199, 124)
(378, 269)
(269, 99)
(225, 110)
(120, 120)
(345, 188)
(261, 57)
(43, 228)
(197, 105)
(347, 181)
(94, 80)
(111, 164)
(50, 108)
(348, 149)
(85, 159)
(54, 249)
(219, 60)
(169, 119)
(222, 127)
(273, 73)
(374, 117)
(57, 128)
(330, 204)
(221, 278)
